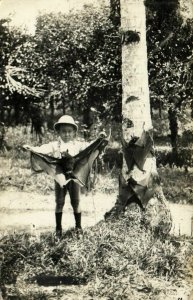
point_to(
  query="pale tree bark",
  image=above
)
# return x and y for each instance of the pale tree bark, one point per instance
(134, 70)
(137, 118)
(186, 9)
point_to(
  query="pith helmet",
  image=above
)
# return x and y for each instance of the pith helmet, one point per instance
(68, 120)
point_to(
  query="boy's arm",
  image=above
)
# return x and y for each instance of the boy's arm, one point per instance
(85, 144)
(43, 149)
(102, 134)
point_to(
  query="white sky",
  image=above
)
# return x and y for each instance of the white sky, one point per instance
(24, 12)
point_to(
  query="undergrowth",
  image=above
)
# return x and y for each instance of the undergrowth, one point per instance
(117, 259)
(177, 185)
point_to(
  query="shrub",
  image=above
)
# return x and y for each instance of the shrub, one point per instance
(182, 158)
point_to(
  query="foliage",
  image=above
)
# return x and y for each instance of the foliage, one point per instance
(187, 137)
(189, 266)
(182, 158)
(169, 42)
(176, 184)
(175, 170)
(10, 38)
(75, 60)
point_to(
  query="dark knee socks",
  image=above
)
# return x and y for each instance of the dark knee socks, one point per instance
(77, 217)
(58, 221)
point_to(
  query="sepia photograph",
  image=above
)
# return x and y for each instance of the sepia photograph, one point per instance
(96, 150)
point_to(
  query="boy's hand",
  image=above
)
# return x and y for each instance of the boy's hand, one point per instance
(26, 147)
(102, 134)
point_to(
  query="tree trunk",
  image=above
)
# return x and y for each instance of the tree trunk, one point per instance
(173, 124)
(52, 108)
(186, 9)
(115, 12)
(50, 118)
(134, 71)
(136, 115)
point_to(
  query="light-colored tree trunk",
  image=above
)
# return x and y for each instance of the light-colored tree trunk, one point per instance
(136, 110)
(134, 70)
(186, 9)
(135, 86)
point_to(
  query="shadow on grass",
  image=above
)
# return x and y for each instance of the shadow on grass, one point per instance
(50, 280)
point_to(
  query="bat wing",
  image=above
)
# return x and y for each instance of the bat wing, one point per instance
(82, 164)
(128, 150)
(50, 165)
(137, 150)
(85, 159)
(142, 184)
(145, 191)
(39, 161)
(143, 147)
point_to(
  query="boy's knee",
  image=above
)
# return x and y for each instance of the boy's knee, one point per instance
(77, 210)
(76, 205)
(59, 209)
(59, 206)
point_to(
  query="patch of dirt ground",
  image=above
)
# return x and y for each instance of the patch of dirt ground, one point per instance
(21, 211)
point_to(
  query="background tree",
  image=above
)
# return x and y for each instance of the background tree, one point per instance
(61, 57)
(10, 38)
(139, 182)
(169, 41)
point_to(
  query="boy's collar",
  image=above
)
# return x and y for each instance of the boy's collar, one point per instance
(61, 141)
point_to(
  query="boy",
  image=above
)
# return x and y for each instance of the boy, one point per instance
(67, 132)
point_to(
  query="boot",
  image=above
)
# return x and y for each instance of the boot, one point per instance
(77, 217)
(58, 224)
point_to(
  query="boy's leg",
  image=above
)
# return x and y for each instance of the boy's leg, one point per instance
(74, 191)
(60, 194)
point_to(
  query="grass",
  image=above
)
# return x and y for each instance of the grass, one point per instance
(177, 184)
(115, 259)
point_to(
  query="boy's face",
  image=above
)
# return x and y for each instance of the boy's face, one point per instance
(66, 132)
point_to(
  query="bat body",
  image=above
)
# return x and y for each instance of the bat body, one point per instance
(143, 178)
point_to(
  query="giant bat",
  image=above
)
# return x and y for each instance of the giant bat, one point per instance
(137, 150)
(143, 177)
(76, 168)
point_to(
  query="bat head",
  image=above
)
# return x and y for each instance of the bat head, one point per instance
(67, 162)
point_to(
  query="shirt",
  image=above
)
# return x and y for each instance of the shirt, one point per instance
(56, 148)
